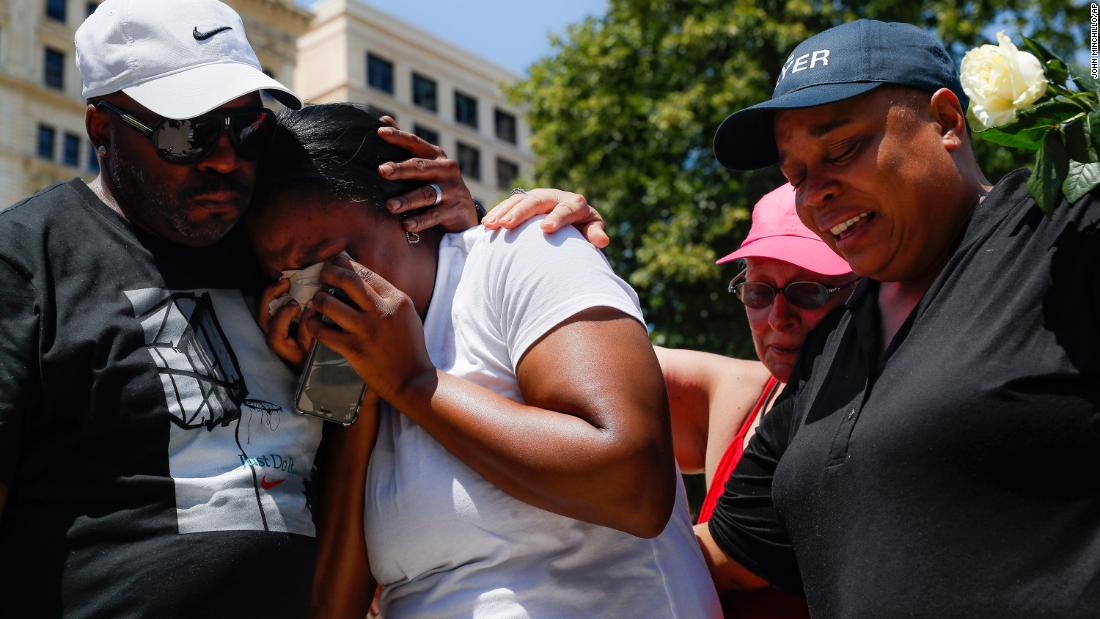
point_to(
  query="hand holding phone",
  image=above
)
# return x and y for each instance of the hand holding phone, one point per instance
(379, 330)
(329, 388)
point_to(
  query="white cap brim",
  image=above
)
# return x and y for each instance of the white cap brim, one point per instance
(198, 90)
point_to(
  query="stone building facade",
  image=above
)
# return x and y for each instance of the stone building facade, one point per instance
(42, 137)
(342, 51)
(354, 52)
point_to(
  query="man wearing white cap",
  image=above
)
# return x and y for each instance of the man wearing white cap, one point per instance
(150, 461)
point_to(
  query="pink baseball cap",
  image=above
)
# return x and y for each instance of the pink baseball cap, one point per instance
(778, 233)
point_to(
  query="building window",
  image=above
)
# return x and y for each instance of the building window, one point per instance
(506, 126)
(424, 92)
(469, 161)
(55, 9)
(46, 135)
(380, 73)
(70, 150)
(426, 134)
(507, 172)
(93, 160)
(465, 110)
(91, 7)
(53, 73)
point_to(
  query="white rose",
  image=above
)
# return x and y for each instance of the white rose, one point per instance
(1000, 80)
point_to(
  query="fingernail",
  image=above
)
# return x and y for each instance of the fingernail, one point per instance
(393, 205)
(507, 219)
(385, 169)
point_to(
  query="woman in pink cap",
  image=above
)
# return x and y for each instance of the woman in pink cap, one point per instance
(790, 282)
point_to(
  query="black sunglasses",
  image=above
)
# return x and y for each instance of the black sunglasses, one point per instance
(192, 139)
(806, 295)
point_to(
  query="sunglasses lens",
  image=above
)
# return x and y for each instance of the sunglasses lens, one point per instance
(187, 141)
(250, 132)
(182, 141)
(756, 295)
(807, 295)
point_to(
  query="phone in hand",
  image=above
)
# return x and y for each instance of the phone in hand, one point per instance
(329, 388)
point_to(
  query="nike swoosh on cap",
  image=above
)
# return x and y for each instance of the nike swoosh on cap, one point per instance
(202, 36)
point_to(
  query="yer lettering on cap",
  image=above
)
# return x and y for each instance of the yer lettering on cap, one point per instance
(803, 62)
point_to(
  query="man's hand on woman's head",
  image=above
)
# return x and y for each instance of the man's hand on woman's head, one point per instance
(455, 209)
(564, 208)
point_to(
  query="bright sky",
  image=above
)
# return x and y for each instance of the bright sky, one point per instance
(511, 33)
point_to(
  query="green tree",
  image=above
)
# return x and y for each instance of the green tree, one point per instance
(625, 108)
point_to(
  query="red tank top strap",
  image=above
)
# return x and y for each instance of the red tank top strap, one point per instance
(734, 450)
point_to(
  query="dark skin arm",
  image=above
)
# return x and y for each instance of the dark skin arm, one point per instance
(342, 583)
(582, 445)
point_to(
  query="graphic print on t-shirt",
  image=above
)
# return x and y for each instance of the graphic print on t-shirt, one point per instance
(199, 372)
(239, 459)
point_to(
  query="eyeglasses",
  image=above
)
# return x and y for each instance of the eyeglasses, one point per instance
(806, 295)
(192, 139)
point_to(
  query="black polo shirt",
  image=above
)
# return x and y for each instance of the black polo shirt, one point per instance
(958, 473)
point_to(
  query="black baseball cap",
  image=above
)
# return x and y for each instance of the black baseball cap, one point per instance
(840, 63)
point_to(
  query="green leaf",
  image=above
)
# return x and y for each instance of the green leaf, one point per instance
(1047, 114)
(1051, 168)
(1032, 125)
(1094, 129)
(1029, 139)
(1078, 145)
(1056, 71)
(1083, 79)
(1081, 178)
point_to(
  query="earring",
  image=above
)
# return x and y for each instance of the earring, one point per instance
(412, 238)
(102, 150)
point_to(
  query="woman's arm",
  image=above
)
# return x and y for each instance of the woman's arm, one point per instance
(592, 442)
(728, 574)
(342, 582)
(709, 397)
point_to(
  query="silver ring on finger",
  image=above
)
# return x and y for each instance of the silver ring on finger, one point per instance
(438, 194)
(519, 191)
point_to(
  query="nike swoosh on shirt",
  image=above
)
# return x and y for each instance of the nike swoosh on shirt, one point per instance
(202, 36)
(268, 485)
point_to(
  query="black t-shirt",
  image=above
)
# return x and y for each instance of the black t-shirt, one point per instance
(958, 473)
(155, 466)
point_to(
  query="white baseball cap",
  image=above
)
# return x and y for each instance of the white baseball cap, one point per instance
(179, 58)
